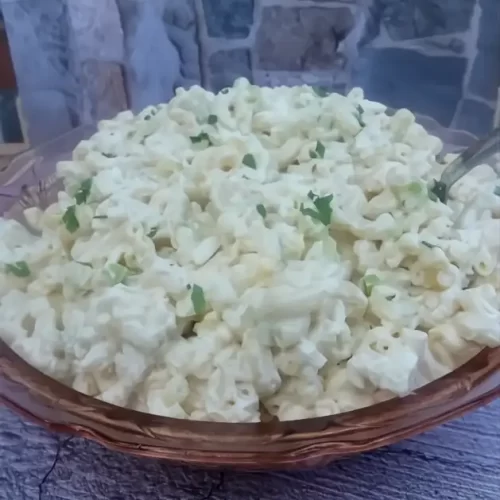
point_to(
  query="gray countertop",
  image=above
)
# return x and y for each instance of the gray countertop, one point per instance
(458, 461)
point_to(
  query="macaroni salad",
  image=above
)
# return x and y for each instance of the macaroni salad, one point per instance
(259, 252)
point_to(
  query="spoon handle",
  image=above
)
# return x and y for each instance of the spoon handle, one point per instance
(478, 153)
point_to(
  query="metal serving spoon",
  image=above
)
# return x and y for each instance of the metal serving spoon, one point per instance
(478, 154)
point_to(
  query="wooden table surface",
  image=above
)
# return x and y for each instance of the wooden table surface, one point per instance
(458, 461)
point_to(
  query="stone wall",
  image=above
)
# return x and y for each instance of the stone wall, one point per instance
(82, 60)
(436, 57)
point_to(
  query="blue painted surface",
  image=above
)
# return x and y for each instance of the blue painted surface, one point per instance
(422, 83)
(229, 18)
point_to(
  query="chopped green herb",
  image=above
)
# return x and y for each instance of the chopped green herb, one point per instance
(188, 287)
(198, 299)
(83, 193)
(116, 273)
(212, 119)
(249, 161)
(369, 282)
(203, 136)
(152, 232)
(360, 111)
(109, 155)
(19, 269)
(262, 210)
(323, 212)
(319, 151)
(416, 188)
(142, 142)
(390, 298)
(100, 217)
(438, 191)
(69, 219)
(224, 90)
(320, 91)
(497, 190)
(428, 245)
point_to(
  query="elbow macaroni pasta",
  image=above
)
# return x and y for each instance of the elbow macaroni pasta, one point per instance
(258, 248)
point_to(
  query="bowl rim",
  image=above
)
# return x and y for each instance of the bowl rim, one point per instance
(59, 407)
(461, 380)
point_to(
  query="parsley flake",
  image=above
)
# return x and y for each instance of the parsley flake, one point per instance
(428, 245)
(19, 269)
(212, 119)
(390, 298)
(203, 136)
(249, 161)
(369, 282)
(83, 193)
(198, 299)
(262, 210)
(360, 111)
(323, 212)
(116, 273)
(109, 155)
(153, 231)
(100, 217)
(320, 91)
(319, 151)
(416, 188)
(438, 191)
(69, 219)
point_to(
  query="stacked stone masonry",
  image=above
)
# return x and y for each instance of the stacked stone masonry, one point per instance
(437, 57)
(81, 60)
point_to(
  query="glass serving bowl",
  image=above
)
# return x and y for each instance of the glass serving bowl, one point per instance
(30, 180)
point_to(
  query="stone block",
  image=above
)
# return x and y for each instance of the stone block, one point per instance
(185, 41)
(227, 65)
(475, 117)
(489, 32)
(293, 39)
(48, 113)
(179, 16)
(96, 30)
(179, 13)
(228, 18)
(403, 78)
(39, 41)
(103, 89)
(405, 20)
(485, 77)
(152, 62)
